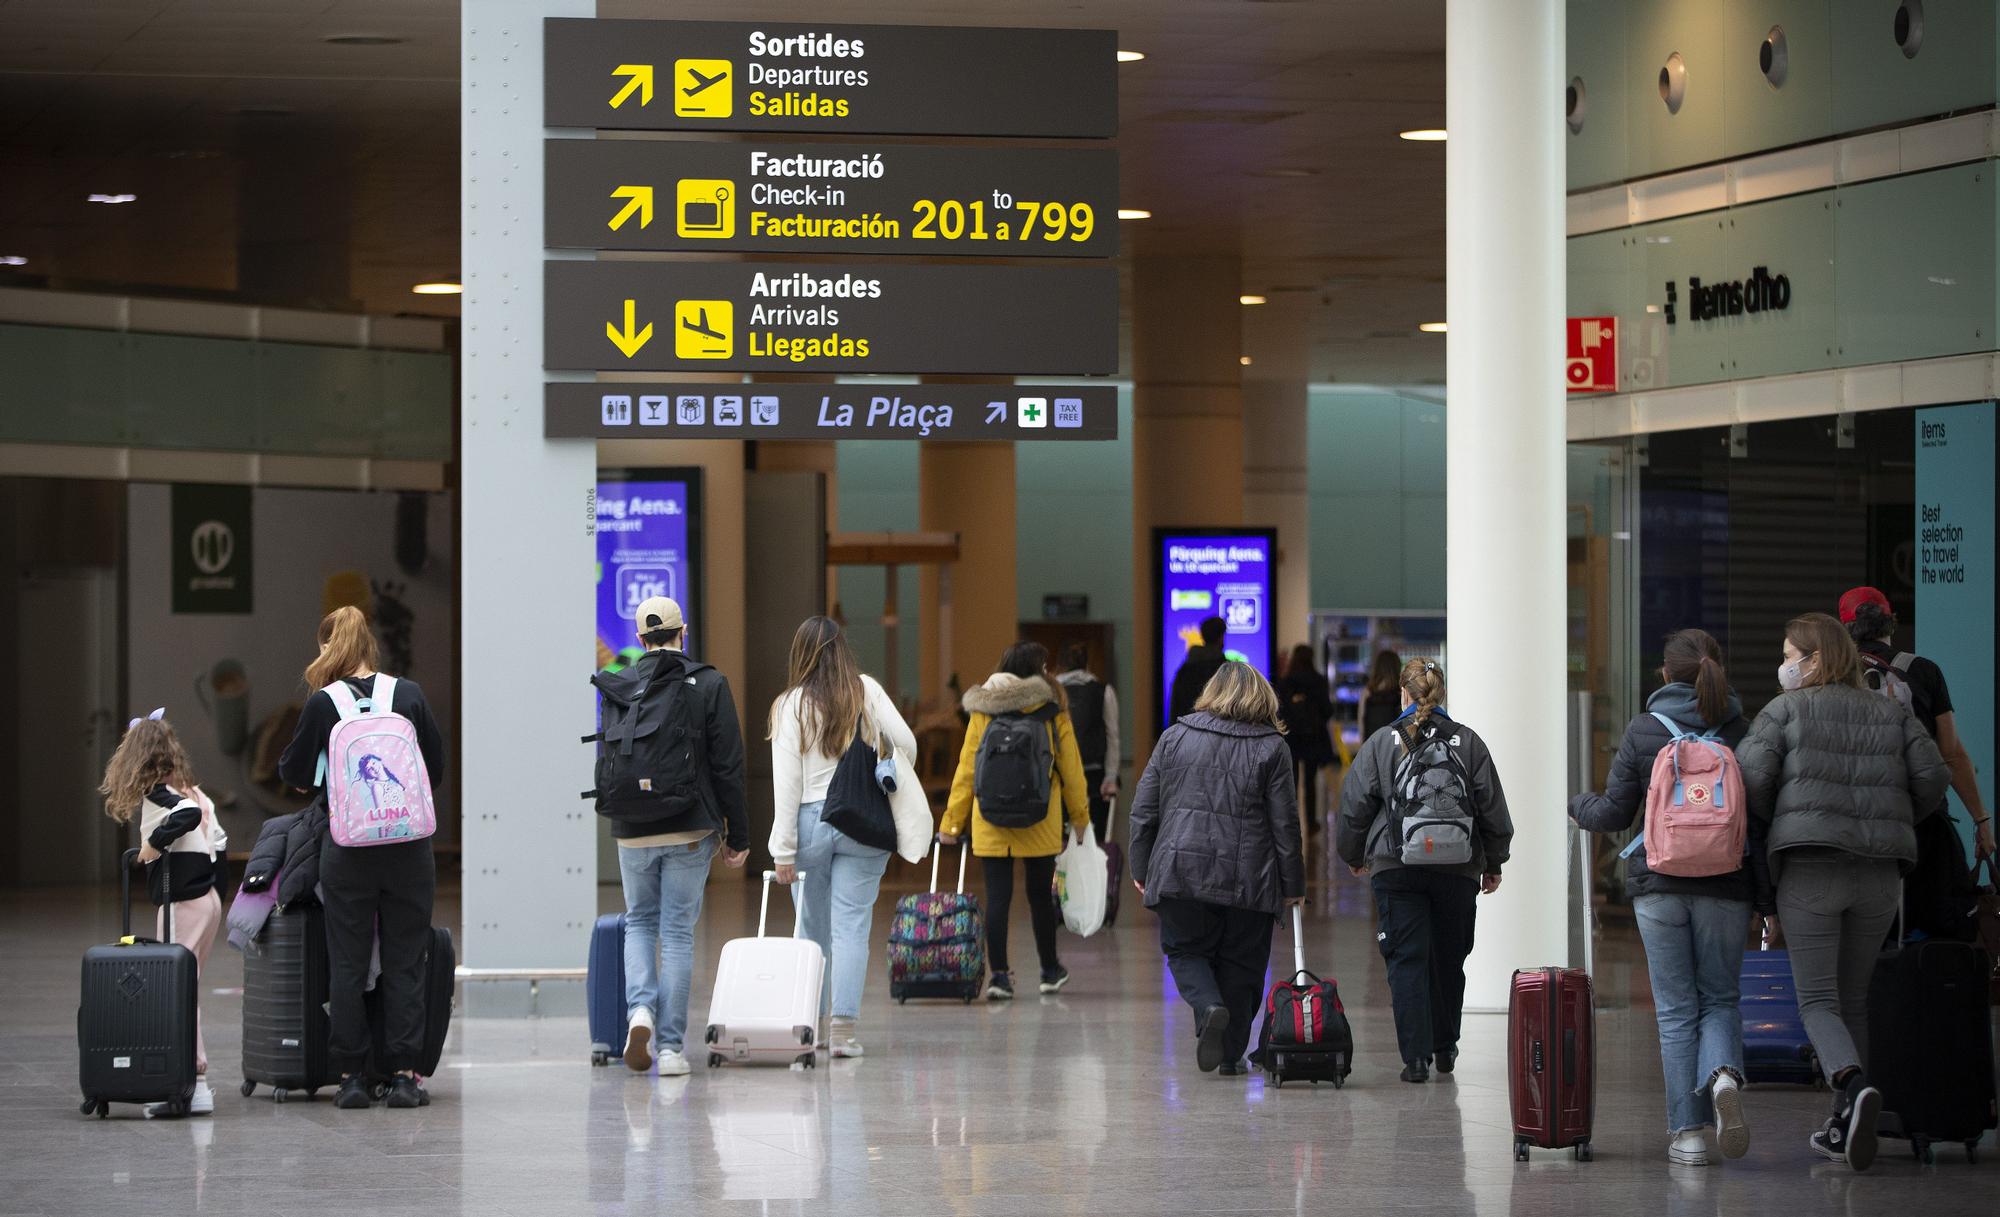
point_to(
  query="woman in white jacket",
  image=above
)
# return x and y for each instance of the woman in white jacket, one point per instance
(825, 703)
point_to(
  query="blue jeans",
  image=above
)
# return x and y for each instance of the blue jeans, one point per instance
(1694, 952)
(664, 885)
(836, 902)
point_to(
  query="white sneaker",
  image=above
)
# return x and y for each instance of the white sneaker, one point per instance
(1732, 1132)
(639, 1040)
(673, 1064)
(1689, 1148)
(848, 1048)
(201, 1103)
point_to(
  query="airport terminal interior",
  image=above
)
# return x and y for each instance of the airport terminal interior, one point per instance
(506, 342)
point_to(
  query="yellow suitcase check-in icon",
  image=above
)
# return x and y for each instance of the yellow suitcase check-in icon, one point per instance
(705, 208)
(704, 329)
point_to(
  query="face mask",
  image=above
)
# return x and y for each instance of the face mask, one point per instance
(1791, 675)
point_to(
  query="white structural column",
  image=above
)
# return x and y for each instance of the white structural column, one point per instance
(527, 559)
(1506, 602)
(1278, 338)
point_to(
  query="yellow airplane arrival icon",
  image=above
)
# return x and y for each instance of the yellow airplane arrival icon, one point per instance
(704, 329)
(628, 341)
(642, 202)
(642, 80)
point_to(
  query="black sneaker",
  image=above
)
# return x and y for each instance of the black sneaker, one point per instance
(1052, 982)
(405, 1092)
(1416, 1071)
(353, 1093)
(1231, 1069)
(1447, 1060)
(1000, 988)
(1861, 1109)
(1830, 1142)
(1211, 1026)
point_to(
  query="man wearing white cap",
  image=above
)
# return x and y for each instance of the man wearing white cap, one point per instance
(694, 803)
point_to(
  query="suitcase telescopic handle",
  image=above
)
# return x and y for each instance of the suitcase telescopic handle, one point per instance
(764, 905)
(1298, 940)
(126, 864)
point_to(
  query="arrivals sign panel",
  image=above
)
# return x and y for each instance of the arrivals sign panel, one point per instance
(832, 198)
(1202, 573)
(776, 317)
(875, 79)
(601, 410)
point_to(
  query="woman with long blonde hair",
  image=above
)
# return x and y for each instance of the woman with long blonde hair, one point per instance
(382, 889)
(1215, 853)
(1423, 816)
(827, 704)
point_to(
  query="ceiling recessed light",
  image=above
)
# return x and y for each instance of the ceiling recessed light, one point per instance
(1287, 171)
(13, 260)
(441, 287)
(364, 40)
(1248, 299)
(1134, 213)
(1244, 360)
(112, 198)
(1423, 135)
(1130, 56)
(1432, 327)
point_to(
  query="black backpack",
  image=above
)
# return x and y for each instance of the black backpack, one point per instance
(1941, 894)
(646, 763)
(1013, 771)
(1086, 716)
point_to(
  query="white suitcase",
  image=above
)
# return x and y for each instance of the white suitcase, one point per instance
(767, 998)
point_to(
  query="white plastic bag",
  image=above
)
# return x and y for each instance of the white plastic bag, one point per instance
(1082, 879)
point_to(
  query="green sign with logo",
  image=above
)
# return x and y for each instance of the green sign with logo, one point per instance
(211, 549)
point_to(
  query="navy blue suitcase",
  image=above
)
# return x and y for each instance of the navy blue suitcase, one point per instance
(1775, 1047)
(604, 989)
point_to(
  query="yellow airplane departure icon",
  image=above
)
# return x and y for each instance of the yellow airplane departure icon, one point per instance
(704, 329)
(704, 88)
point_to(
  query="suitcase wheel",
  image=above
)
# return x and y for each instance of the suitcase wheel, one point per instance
(1584, 1152)
(1520, 1150)
(1922, 1149)
(279, 1094)
(1339, 1080)
(599, 1057)
(713, 1034)
(88, 1107)
(807, 1060)
(1972, 1150)
(805, 1035)
(715, 1060)
(247, 1089)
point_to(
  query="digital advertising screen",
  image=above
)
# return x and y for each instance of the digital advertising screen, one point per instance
(648, 544)
(1201, 573)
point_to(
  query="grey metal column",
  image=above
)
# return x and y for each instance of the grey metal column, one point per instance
(526, 531)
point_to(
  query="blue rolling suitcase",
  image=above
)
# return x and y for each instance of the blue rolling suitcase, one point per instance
(604, 990)
(1775, 1047)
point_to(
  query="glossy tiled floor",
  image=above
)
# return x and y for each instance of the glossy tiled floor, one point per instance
(1086, 1104)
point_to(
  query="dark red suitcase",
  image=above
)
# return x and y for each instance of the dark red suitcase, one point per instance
(1552, 1061)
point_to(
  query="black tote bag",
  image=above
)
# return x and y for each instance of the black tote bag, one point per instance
(855, 803)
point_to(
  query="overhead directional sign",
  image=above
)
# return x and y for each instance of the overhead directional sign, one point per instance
(601, 410)
(778, 317)
(832, 198)
(879, 79)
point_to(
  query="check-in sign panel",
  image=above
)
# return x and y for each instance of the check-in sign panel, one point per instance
(873, 79)
(832, 198)
(777, 317)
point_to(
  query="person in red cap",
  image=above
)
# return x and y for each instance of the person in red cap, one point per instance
(1919, 684)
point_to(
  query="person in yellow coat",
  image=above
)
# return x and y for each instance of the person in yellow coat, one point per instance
(1019, 775)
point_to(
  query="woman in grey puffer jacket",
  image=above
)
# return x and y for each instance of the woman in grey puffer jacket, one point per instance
(1839, 774)
(1215, 852)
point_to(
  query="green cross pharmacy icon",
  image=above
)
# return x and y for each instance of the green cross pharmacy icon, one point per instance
(1033, 412)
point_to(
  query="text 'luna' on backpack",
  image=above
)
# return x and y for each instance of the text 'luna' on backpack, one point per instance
(1695, 808)
(378, 790)
(645, 745)
(1013, 771)
(1431, 803)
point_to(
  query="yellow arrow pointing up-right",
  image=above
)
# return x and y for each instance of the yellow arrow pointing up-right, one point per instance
(628, 342)
(642, 80)
(642, 202)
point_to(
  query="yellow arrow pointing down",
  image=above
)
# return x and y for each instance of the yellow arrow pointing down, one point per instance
(642, 202)
(642, 80)
(628, 342)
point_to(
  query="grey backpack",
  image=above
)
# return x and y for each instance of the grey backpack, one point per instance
(1431, 804)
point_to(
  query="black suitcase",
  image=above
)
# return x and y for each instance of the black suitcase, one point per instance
(285, 1026)
(1930, 1045)
(440, 978)
(135, 1023)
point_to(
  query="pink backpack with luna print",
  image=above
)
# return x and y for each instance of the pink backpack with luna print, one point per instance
(1695, 814)
(377, 789)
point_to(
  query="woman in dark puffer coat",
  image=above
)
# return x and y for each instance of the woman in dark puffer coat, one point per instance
(1215, 852)
(1839, 775)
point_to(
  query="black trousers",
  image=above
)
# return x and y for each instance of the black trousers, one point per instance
(390, 886)
(1308, 771)
(1100, 807)
(1424, 928)
(1218, 956)
(1042, 910)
